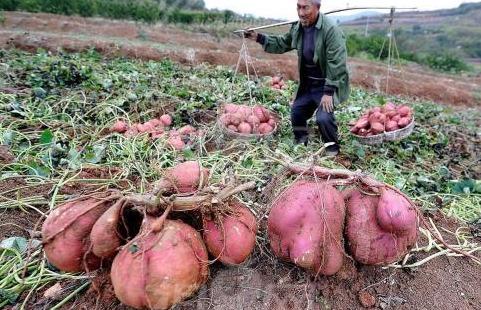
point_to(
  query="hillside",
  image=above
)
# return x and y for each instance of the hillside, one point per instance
(454, 31)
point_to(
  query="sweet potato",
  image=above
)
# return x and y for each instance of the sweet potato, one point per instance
(253, 121)
(259, 113)
(368, 242)
(225, 119)
(265, 128)
(231, 238)
(120, 127)
(232, 128)
(176, 142)
(377, 128)
(305, 226)
(362, 123)
(230, 108)
(272, 122)
(404, 111)
(166, 119)
(184, 178)
(395, 214)
(159, 269)
(104, 235)
(186, 130)
(245, 128)
(66, 231)
(403, 122)
(391, 126)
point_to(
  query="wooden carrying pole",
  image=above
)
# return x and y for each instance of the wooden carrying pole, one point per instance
(327, 13)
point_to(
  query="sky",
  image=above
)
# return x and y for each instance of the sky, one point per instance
(286, 9)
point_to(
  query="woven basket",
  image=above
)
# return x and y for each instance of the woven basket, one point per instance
(242, 136)
(387, 136)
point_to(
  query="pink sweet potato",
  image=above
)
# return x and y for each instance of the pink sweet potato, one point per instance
(66, 231)
(184, 178)
(230, 108)
(104, 235)
(245, 128)
(159, 269)
(231, 238)
(305, 227)
(176, 142)
(403, 122)
(166, 119)
(265, 128)
(368, 242)
(120, 127)
(395, 214)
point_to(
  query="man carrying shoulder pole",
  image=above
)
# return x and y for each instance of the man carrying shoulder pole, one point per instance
(324, 80)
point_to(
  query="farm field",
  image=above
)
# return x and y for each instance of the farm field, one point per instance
(122, 38)
(57, 109)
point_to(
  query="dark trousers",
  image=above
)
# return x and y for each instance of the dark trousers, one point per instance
(307, 101)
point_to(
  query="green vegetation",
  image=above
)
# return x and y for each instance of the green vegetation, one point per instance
(376, 47)
(57, 129)
(442, 40)
(151, 11)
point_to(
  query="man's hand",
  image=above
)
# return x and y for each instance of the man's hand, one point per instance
(327, 104)
(250, 34)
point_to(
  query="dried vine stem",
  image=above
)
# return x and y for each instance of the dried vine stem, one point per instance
(190, 202)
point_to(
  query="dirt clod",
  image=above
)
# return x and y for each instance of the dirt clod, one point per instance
(366, 299)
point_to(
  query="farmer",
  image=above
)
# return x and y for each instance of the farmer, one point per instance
(324, 80)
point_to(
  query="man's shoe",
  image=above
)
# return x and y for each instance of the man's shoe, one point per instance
(332, 150)
(301, 140)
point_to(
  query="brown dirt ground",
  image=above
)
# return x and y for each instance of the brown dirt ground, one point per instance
(122, 38)
(265, 283)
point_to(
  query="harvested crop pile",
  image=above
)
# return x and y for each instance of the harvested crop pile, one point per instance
(159, 128)
(277, 82)
(248, 120)
(158, 260)
(378, 120)
(309, 220)
(154, 127)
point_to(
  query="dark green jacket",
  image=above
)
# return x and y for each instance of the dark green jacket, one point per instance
(330, 53)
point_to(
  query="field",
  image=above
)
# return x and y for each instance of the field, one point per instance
(56, 110)
(212, 45)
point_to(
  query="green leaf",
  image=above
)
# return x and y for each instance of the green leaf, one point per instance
(38, 169)
(95, 154)
(188, 154)
(15, 243)
(464, 186)
(46, 137)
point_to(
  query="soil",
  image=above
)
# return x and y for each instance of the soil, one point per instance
(265, 283)
(29, 32)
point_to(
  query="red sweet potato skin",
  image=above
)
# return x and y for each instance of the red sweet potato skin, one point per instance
(233, 238)
(158, 270)
(395, 214)
(104, 236)
(367, 241)
(184, 178)
(67, 247)
(305, 227)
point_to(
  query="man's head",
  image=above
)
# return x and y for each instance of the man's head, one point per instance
(307, 11)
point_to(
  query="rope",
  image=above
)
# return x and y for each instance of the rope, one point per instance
(246, 59)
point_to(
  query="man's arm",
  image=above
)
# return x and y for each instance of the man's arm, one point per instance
(272, 44)
(336, 56)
